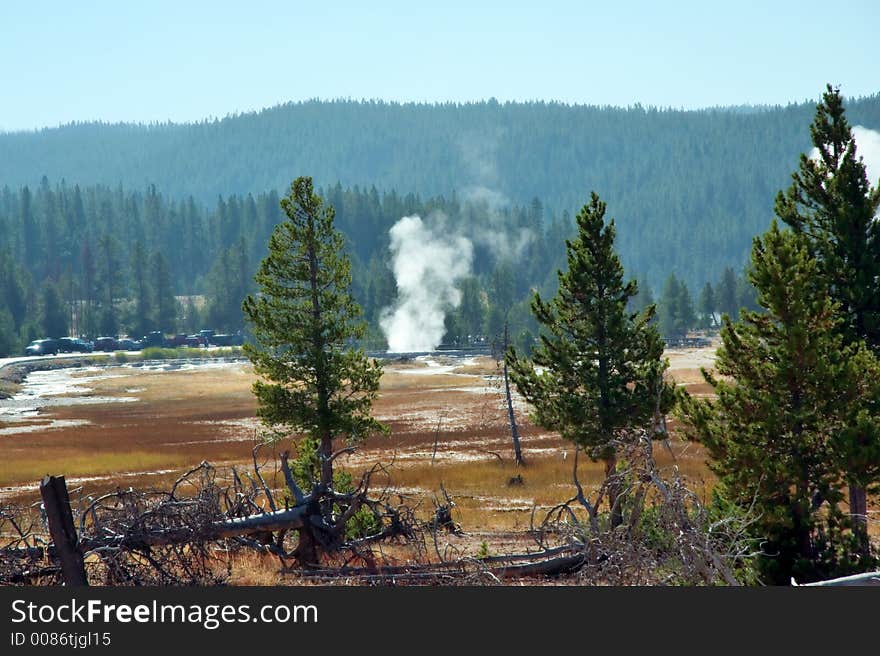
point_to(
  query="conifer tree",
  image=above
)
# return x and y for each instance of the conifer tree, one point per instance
(786, 385)
(676, 308)
(834, 205)
(602, 365)
(670, 325)
(164, 302)
(726, 294)
(643, 298)
(110, 284)
(8, 335)
(141, 291)
(313, 381)
(54, 313)
(707, 306)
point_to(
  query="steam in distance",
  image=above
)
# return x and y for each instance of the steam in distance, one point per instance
(428, 262)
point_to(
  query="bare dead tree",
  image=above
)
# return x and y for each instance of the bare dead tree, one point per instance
(511, 415)
(667, 535)
(24, 553)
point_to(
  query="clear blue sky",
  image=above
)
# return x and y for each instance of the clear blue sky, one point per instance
(183, 61)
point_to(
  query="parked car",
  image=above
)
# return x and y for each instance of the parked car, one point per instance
(175, 341)
(155, 338)
(228, 340)
(196, 341)
(128, 344)
(74, 345)
(42, 347)
(106, 344)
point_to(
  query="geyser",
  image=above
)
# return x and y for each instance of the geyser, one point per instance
(428, 263)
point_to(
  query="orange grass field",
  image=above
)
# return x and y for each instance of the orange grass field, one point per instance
(448, 428)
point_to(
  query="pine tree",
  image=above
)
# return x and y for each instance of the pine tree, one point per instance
(471, 310)
(164, 302)
(643, 298)
(603, 366)
(110, 284)
(786, 385)
(221, 299)
(13, 295)
(140, 323)
(746, 294)
(687, 317)
(832, 203)
(30, 247)
(726, 297)
(312, 380)
(8, 334)
(54, 313)
(707, 306)
(89, 291)
(676, 308)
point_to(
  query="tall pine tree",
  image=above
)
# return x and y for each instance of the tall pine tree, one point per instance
(787, 387)
(54, 315)
(602, 365)
(313, 381)
(832, 203)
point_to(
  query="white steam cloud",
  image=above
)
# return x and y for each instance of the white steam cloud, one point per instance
(496, 235)
(428, 263)
(868, 146)
(430, 258)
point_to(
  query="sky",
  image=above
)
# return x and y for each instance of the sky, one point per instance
(185, 61)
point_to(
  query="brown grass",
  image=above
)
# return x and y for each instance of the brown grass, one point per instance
(184, 417)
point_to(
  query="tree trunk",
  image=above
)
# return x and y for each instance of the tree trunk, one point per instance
(517, 451)
(614, 500)
(306, 552)
(858, 511)
(56, 501)
(325, 453)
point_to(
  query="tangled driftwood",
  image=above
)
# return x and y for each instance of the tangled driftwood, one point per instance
(187, 535)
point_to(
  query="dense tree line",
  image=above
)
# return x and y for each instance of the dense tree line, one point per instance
(691, 188)
(681, 311)
(108, 261)
(116, 259)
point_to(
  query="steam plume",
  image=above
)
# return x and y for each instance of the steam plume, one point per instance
(868, 146)
(427, 265)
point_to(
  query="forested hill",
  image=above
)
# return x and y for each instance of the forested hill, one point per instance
(700, 183)
(654, 165)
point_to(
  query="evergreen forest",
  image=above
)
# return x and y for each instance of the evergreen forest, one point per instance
(113, 229)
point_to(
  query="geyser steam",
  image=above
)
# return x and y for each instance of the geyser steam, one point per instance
(427, 265)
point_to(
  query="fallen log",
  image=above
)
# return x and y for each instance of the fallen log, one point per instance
(547, 568)
(544, 566)
(291, 518)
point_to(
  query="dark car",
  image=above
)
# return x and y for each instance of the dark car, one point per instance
(74, 345)
(128, 344)
(228, 340)
(196, 341)
(106, 344)
(175, 340)
(42, 347)
(155, 338)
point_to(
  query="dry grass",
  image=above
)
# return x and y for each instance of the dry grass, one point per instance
(183, 417)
